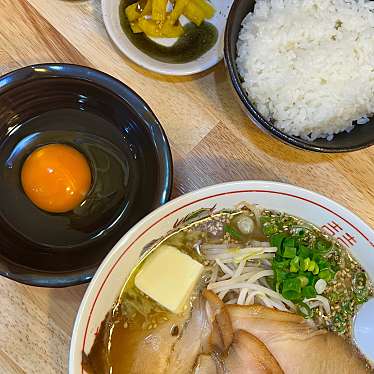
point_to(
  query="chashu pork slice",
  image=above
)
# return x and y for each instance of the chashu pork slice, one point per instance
(208, 331)
(248, 355)
(206, 364)
(146, 351)
(239, 353)
(191, 340)
(298, 347)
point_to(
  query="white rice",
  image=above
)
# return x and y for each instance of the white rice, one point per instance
(308, 65)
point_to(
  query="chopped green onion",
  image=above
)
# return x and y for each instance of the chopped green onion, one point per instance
(323, 264)
(232, 232)
(305, 264)
(301, 264)
(289, 242)
(304, 280)
(292, 289)
(276, 240)
(316, 269)
(281, 265)
(294, 265)
(312, 278)
(280, 276)
(289, 252)
(317, 258)
(278, 255)
(326, 274)
(309, 292)
(304, 251)
(311, 266)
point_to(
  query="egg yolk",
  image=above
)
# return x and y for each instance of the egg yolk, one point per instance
(56, 178)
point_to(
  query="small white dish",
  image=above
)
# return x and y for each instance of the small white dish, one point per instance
(116, 267)
(111, 16)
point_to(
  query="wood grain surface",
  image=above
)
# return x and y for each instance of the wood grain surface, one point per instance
(212, 141)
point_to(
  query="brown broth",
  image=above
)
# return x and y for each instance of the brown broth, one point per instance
(116, 348)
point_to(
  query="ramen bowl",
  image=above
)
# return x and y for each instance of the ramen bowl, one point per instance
(115, 269)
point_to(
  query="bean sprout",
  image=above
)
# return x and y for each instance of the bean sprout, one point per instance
(239, 274)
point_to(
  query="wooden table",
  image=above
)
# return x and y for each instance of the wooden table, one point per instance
(212, 141)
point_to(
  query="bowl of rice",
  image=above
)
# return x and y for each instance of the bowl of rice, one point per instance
(304, 70)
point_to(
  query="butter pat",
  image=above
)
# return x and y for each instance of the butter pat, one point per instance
(169, 276)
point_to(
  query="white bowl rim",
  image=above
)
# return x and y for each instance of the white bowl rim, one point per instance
(98, 281)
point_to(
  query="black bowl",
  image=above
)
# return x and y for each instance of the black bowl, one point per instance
(360, 137)
(128, 153)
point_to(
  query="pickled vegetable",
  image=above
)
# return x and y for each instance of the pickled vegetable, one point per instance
(169, 30)
(150, 27)
(151, 17)
(194, 13)
(178, 10)
(144, 7)
(159, 11)
(132, 12)
(135, 28)
(205, 7)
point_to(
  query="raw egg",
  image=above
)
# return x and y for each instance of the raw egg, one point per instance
(56, 178)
